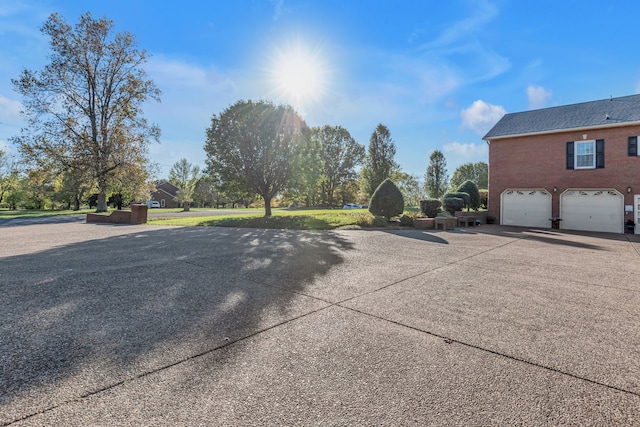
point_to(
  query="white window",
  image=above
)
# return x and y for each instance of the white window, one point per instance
(585, 154)
(162, 203)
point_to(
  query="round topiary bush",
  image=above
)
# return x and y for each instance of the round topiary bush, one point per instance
(452, 204)
(387, 200)
(460, 195)
(429, 207)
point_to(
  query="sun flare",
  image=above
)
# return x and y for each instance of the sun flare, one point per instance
(299, 76)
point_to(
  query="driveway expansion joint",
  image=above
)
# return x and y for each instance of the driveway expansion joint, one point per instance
(449, 340)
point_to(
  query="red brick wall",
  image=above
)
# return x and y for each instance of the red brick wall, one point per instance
(540, 162)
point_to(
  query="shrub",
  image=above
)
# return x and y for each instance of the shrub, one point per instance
(365, 219)
(471, 189)
(430, 207)
(457, 195)
(484, 198)
(407, 218)
(452, 204)
(387, 200)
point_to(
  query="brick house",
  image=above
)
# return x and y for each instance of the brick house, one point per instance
(164, 194)
(577, 163)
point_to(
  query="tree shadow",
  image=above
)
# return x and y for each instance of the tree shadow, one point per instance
(549, 236)
(426, 236)
(83, 317)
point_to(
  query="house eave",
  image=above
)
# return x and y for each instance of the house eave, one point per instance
(547, 132)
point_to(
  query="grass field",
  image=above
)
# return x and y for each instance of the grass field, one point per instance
(303, 219)
(318, 219)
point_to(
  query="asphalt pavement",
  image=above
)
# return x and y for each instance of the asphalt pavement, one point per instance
(145, 325)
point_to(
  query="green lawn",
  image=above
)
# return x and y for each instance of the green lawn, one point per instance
(317, 219)
(35, 213)
(302, 219)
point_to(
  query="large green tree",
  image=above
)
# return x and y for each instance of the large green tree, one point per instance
(84, 108)
(379, 162)
(410, 188)
(254, 144)
(185, 176)
(9, 178)
(340, 155)
(477, 172)
(436, 179)
(307, 177)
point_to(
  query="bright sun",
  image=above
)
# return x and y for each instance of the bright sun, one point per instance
(299, 76)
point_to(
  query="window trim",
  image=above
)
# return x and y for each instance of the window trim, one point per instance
(592, 142)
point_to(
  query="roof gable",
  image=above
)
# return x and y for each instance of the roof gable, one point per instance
(168, 188)
(607, 112)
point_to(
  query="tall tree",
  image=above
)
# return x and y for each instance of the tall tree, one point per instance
(341, 154)
(74, 186)
(410, 187)
(185, 176)
(84, 109)
(9, 178)
(308, 172)
(207, 192)
(436, 178)
(254, 144)
(477, 172)
(379, 163)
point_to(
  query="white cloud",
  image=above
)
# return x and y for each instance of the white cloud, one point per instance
(538, 97)
(481, 116)
(9, 110)
(464, 153)
(460, 47)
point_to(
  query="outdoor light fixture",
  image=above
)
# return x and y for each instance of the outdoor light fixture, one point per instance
(555, 189)
(628, 189)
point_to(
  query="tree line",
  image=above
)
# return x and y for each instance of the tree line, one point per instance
(87, 140)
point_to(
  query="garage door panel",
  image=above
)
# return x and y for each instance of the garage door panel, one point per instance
(526, 208)
(592, 210)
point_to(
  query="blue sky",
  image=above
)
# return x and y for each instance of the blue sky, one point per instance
(437, 74)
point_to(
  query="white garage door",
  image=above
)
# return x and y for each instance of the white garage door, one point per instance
(526, 208)
(592, 210)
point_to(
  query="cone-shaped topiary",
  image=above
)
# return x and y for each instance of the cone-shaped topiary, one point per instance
(387, 200)
(471, 189)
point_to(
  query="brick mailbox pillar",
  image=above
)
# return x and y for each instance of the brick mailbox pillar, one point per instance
(138, 214)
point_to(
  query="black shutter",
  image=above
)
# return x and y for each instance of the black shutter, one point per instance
(570, 161)
(633, 146)
(599, 153)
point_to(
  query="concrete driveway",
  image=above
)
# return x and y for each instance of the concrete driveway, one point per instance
(142, 325)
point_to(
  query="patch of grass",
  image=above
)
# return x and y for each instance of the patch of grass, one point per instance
(318, 219)
(38, 213)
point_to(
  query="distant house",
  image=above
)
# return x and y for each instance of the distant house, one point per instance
(575, 167)
(165, 194)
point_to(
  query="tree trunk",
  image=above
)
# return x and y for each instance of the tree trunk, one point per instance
(102, 195)
(267, 205)
(76, 203)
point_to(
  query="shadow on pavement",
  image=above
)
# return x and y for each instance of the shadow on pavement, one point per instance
(83, 317)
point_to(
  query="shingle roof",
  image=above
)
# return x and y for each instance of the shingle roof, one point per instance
(606, 112)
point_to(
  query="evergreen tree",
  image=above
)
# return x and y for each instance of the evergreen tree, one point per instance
(436, 179)
(379, 163)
